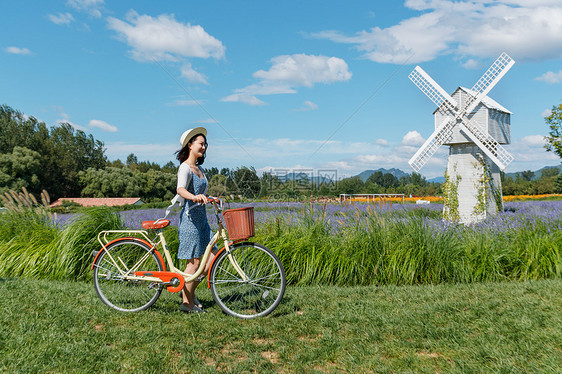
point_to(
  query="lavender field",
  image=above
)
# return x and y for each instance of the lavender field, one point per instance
(346, 245)
(516, 215)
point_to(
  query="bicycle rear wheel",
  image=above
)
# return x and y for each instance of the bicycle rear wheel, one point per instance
(256, 296)
(121, 294)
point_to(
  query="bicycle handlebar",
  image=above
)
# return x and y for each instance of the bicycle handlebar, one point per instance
(216, 201)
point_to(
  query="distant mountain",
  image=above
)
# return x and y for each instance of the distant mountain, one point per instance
(399, 173)
(538, 173)
(437, 180)
(396, 172)
(364, 175)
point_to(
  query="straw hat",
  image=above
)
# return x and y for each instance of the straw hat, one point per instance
(187, 135)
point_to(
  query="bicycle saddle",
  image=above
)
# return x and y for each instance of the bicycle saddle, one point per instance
(159, 224)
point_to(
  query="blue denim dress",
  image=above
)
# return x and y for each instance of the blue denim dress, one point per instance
(194, 231)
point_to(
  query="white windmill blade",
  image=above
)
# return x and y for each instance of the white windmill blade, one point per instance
(432, 144)
(429, 87)
(490, 78)
(487, 144)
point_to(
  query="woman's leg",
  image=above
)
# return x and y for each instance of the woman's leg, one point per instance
(188, 293)
(206, 271)
(189, 288)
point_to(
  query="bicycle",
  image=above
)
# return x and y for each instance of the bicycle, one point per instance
(246, 279)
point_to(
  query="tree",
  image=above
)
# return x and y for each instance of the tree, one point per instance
(246, 181)
(63, 152)
(386, 180)
(210, 173)
(549, 172)
(170, 168)
(375, 178)
(109, 182)
(389, 181)
(132, 160)
(527, 175)
(351, 185)
(154, 185)
(558, 184)
(20, 168)
(72, 152)
(116, 164)
(157, 186)
(554, 138)
(217, 185)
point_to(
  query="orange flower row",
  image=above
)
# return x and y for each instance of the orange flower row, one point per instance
(396, 199)
(531, 197)
(439, 199)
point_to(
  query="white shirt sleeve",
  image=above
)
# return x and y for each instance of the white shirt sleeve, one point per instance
(183, 172)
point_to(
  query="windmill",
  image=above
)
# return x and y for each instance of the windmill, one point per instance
(475, 127)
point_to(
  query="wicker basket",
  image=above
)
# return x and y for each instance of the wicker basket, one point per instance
(239, 223)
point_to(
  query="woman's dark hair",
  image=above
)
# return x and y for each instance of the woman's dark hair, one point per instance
(183, 153)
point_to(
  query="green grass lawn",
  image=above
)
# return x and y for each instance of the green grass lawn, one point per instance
(61, 326)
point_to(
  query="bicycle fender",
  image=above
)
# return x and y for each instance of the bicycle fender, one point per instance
(130, 238)
(236, 244)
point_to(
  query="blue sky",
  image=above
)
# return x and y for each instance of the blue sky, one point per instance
(292, 85)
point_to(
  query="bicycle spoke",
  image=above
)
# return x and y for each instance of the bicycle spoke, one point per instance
(265, 277)
(256, 296)
(118, 292)
(265, 287)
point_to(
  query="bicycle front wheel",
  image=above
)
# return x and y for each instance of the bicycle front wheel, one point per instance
(262, 289)
(117, 292)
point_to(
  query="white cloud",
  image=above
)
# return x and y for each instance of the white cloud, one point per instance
(191, 75)
(66, 119)
(289, 72)
(164, 38)
(308, 105)
(527, 30)
(182, 102)
(91, 7)
(546, 113)
(382, 142)
(305, 70)
(243, 98)
(380, 159)
(208, 120)
(61, 18)
(95, 123)
(471, 64)
(533, 140)
(104, 126)
(18, 50)
(413, 138)
(551, 77)
(529, 154)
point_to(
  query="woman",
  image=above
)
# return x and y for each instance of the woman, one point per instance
(194, 230)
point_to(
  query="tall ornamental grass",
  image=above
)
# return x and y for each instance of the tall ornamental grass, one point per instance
(365, 247)
(329, 245)
(31, 245)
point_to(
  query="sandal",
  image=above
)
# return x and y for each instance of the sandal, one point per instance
(193, 309)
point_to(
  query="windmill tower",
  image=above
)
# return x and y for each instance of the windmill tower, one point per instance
(475, 127)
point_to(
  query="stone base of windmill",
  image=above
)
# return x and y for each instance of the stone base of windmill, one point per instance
(472, 188)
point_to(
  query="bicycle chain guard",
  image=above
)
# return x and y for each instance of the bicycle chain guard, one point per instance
(167, 277)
